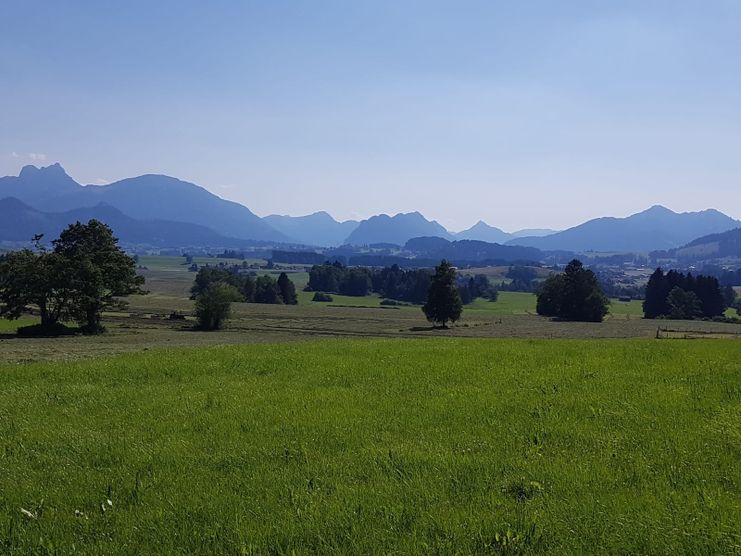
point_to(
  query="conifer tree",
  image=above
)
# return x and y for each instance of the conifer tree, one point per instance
(443, 300)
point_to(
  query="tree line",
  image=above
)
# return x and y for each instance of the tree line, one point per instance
(84, 273)
(215, 289)
(392, 282)
(683, 296)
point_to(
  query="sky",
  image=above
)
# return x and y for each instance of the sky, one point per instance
(522, 114)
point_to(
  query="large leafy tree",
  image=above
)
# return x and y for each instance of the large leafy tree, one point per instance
(574, 295)
(214, 303)
(85, 274)
(36, 278)
(100, 272)
(443, 300)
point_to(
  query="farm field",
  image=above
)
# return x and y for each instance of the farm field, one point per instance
(406, 446)
(145, 324)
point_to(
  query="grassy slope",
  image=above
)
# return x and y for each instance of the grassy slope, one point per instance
(367, 446)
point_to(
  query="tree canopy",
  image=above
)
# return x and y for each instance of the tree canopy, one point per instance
(574, 295)
(443, 300)
(85, 274)
(713, 301)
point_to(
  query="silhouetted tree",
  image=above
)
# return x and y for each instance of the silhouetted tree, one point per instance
(266, 290)
(574, 295)
(707, 290)
(443, 300)
(287, 289)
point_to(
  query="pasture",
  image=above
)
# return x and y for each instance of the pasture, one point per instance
(408, 446)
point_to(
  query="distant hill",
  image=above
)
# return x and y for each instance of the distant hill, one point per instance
(714, 246)
(314, 229)
(653, 229)
(395, 229)
(20, 222)
(482, 231)
(147, 197)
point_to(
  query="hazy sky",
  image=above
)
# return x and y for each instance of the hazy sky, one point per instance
(524, 114)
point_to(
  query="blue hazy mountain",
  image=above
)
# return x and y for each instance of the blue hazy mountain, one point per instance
(481, 231)
(19, 223)
(396, 229)
(318, 228)
(653, 229)
(148, 197)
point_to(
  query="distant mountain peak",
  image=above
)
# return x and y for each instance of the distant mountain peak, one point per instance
(658, 209)
(54, 171)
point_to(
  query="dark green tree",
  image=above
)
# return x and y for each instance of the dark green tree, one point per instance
(550, 296)
(266, 290)
(101, 272)
(213, 305)
(683, 304)
(37, 279)
(443, 300)
(575, 295)
(287, 289)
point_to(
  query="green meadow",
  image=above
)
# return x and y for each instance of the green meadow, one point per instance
(414, 446)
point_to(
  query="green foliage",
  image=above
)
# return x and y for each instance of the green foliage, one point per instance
(683, 304)
(213, 305)
(384, 446)
(472, 287)
(207, 275)
(287, 290)
(336, 278)
(443, 300)
(266, 290)
(713, 301)
(101, 272)
(574, 295)
(321, 296)
(83, 276)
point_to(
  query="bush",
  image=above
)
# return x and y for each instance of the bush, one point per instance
(214, 304)
(46, 331)
(320, 296)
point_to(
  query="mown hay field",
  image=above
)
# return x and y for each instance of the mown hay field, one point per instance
(377, 445)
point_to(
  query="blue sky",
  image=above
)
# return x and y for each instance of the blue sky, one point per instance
(523, 114)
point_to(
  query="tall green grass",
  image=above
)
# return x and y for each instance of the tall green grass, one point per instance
(406, 446)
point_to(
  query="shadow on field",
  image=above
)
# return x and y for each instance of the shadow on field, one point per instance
(426, 328)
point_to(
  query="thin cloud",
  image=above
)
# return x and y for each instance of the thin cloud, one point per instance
(37, 157)
(14, 155)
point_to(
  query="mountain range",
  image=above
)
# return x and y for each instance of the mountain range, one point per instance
(653, 229)
(318, 228)
(157, 203)
(20, 222)
(396, 229)
(148, 197)
(481, 231)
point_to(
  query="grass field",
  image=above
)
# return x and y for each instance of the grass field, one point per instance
(406, 446)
